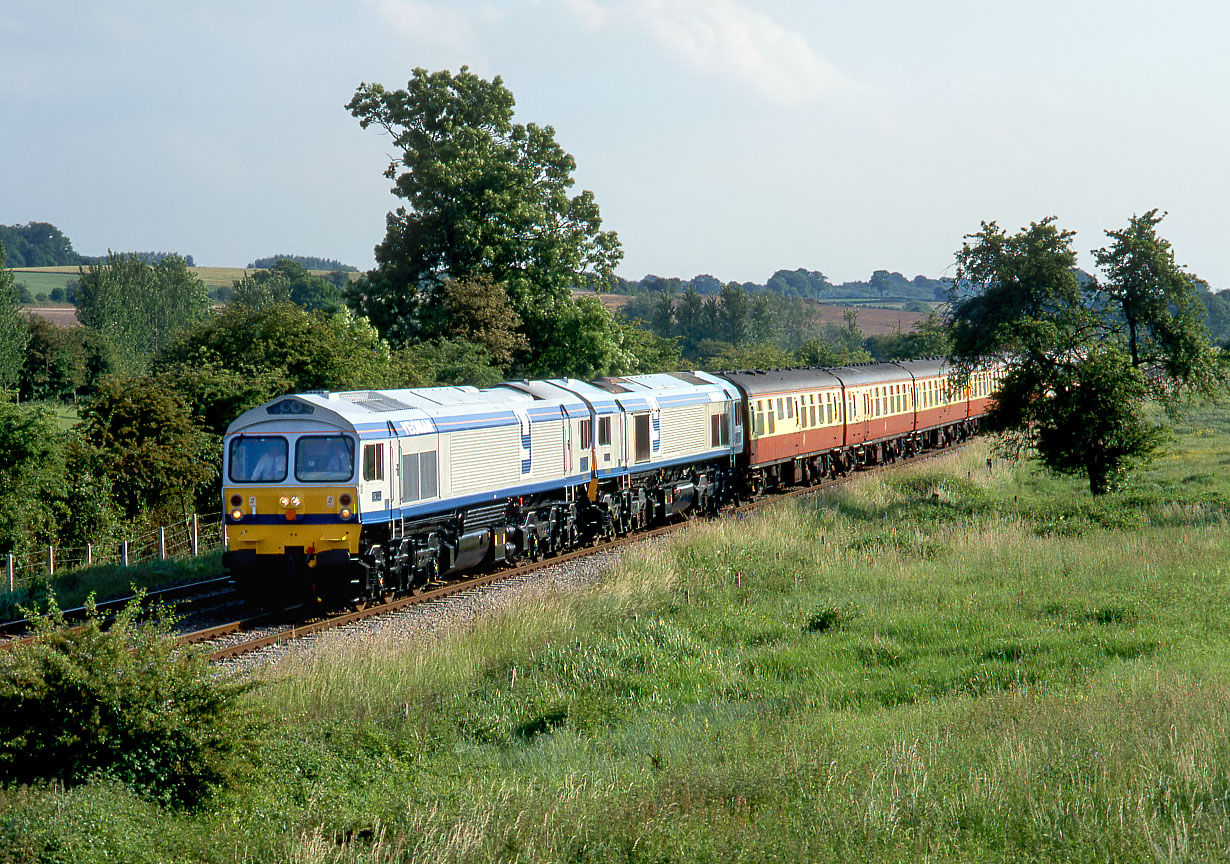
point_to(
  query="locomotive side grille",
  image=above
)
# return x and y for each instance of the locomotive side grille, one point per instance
(684, 430)
(478, 518)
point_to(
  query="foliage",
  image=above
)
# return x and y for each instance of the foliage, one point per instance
(443, 362)
(1096, 423)
(13, 332)
(1072, 390)
(31, 477)
(63, 362)
(309, 262)
(485, 196)
(143, 437)
(37, 244)
(928, 338)
(123, 701)
(138, 307)
(51, 491)
(309, 350)
(287, 281)
(1160, 309)
(477, 310)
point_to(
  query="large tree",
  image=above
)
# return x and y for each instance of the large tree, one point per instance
(1072, 390)
(139, 307)
(485, 197)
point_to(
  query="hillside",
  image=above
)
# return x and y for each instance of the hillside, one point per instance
(962, 661)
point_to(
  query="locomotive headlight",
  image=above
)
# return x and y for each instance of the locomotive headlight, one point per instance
(295, 501)
(345, 513)
(284, 501)
(236, 514)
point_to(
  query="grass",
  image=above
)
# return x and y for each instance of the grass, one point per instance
(108, 582)
(938, 664)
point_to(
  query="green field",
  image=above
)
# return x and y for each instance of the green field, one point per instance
(944, 663)
(41, 280)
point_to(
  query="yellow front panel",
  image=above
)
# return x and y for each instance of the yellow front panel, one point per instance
(268, 526)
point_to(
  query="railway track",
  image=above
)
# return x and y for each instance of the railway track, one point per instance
(189, 598)
(268, 632)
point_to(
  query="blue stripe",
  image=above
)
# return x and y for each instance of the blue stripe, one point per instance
(302, 519)
(443, 505)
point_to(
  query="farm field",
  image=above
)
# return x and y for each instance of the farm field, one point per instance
(948, 662)
(872, 320)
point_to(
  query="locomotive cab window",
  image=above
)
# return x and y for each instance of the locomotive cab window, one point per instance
(324, 459)
(259, 459)
(604, 431)
(587, 434)
(373, 461)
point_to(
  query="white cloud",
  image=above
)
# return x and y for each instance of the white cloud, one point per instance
(726, 40)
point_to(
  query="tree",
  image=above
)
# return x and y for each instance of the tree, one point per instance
(288, 281)
(1159, 305)
(1071, 390)
(145, 440)
(37, 244)
(310, 350)
(484, 196)
(139, 307)
(14, 334)
(477, 310)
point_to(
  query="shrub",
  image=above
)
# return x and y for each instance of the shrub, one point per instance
(124, 702)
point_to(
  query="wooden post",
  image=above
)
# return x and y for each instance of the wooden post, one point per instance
(10, 572)
(196, 537)
(162, 543)
(89, 554)
(124, 553)
(51, 560)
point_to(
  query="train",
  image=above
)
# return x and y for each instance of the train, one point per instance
(340, 498)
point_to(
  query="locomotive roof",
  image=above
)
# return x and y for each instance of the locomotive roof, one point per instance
(352, 409)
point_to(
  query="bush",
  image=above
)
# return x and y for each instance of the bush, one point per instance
(123, 702)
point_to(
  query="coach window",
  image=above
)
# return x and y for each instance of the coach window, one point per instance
(781, 411)
(587, 434)
(813, 411)
(790, 408)
(604, 431)
(373, 461)
(771, 426)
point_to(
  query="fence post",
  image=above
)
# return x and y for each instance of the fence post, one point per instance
(89, 554)
(124, 553)
(162, 543)
(10, 572)
(51, 560)
(196, 537)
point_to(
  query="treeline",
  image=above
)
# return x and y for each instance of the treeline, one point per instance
(803, 284)
(41, 244)
(307, 261)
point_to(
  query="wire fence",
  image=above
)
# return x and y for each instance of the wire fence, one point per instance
(188, 538)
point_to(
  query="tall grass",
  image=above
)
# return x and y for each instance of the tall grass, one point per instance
(941, 663)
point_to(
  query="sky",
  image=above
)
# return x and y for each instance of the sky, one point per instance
(727, 137)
